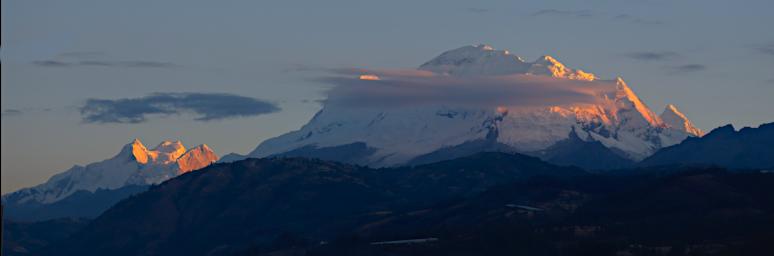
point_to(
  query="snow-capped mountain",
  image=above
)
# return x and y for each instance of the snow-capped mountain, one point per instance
(134, 165)
(396, 135)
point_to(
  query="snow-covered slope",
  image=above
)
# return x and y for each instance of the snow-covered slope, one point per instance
(394, 135)
(676, 119)
(134, 165)
(478, 60)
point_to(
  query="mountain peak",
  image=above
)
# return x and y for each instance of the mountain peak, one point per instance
(721, 131)
(196, 158)
(484, 47)
(168, 146)
(203, 147)
(167, 151)
(484, 60)
(135, 149)
(627, 96)
(476, 60)
(550, 66)
(548, 59)
(199, 148)
(676, 119)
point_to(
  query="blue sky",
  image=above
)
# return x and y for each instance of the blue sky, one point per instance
(713, 59)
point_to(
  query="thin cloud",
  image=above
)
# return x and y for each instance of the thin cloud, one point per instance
(566, 13)
(206, 106)
(385, 73)
(11, 112)
(81, 54)
(765, 49)
(687, 68)
(97, 59)
(636, 20)
(653, 55)
(300, 68)
(596, 15)
(129, 64)
(358, 71)
(105, 63)
(51, 63)
(477, 10)
(409, 88)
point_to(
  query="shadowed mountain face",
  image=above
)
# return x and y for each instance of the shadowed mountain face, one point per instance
(748, 148)
(228, 207)
(349, 153)
(696, 213)
(81, 204)
(573, 151)
(589, 155)
(27, 238)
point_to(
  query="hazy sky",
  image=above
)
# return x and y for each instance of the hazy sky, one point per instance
(713, 59)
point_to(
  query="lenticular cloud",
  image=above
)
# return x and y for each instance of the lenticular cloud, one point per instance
(380, 88)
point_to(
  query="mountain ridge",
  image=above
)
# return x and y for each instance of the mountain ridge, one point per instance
(748, 148)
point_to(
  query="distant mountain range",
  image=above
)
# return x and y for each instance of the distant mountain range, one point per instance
(489, 203)
(86, 191)
(28, 238)
(278, 202)
(81, 204)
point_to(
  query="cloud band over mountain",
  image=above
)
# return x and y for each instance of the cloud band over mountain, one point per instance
(206, 106)
(416, 87)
